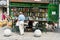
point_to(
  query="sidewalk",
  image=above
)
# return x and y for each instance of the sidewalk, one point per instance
(30, 36)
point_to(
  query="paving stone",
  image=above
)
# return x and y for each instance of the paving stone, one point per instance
(30, 36)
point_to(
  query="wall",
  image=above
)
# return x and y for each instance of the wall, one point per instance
(0, 12)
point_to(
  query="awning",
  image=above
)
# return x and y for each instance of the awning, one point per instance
(18, 4)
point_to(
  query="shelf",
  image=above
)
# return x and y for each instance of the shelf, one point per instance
(35, 13)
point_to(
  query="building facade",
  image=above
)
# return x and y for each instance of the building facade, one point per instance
(35, 6)
(34, 10)
(40, 10)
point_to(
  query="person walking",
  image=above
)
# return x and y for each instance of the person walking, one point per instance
(3, 16)
(21, 19)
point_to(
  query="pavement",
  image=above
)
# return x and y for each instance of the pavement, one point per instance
(30, 36)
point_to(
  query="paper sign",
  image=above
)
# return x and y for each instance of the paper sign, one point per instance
(53, 13)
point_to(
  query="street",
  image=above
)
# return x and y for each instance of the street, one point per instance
(30, 36)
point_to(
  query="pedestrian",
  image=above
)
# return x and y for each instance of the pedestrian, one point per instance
(21, 19)
(3, 16)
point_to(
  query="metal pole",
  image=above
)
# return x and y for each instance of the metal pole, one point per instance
(7, 7)
(59, 15)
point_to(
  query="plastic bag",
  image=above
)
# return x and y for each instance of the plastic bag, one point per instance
(17, 23)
